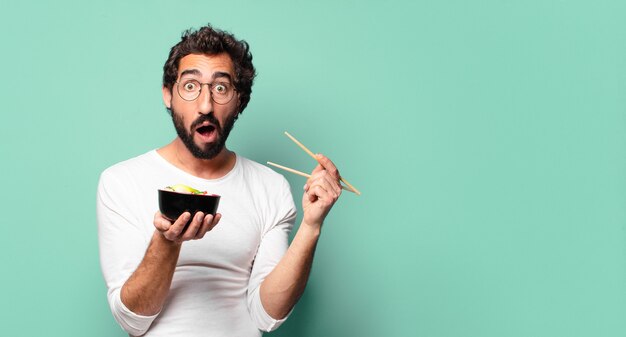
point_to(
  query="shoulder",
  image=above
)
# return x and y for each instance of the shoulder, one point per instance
(252, 169)
(270, 192)
(264, 182)
(129, 168)
(147, 159)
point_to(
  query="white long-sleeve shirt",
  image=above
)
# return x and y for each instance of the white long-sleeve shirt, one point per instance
(215, 288)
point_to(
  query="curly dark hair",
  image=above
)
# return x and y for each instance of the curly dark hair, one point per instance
(210, 41)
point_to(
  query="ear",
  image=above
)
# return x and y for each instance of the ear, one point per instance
(167, 97)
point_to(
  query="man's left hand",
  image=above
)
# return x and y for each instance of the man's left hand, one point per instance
(321, 191)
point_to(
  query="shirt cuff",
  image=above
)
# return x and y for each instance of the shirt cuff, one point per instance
(264, 321)
(131, 322)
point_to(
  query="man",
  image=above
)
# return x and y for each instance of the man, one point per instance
(232, 274)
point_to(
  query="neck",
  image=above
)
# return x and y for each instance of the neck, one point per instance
(178, 155)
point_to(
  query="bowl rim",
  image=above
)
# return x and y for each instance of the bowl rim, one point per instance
(183, 193)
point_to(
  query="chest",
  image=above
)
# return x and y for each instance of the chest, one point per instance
(232, 244)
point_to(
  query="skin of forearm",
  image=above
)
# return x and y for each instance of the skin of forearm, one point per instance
(146, 289)
(283, 287)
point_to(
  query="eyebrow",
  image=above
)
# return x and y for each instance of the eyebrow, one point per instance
(190, 72)
(196, 72)
(219, 74)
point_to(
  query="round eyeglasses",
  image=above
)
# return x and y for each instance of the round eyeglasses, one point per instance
(221, 92)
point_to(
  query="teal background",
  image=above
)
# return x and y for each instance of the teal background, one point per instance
(487, 138)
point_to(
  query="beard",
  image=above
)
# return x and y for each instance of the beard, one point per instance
(209, 150)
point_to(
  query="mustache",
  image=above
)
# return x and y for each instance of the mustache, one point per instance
(206, 118)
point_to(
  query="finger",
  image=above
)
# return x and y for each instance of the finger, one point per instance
(317, 169)
(307, 189)
(160, 222)
(332, 186)
(206, 226)
(216, 220)
(328, 165)
(193, 227)
(315, 179)
(316, 176)
(330, 183)
(173, 233)
(317, 191)
(327, 180)
(310, 195)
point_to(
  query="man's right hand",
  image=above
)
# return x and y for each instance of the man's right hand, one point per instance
(176, 232)
(146, 289)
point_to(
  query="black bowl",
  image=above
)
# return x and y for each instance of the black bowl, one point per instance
(173, 204)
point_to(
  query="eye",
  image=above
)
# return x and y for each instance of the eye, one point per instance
(190, 86)
(220, 88)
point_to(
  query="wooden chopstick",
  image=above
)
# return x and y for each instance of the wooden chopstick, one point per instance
(290, 170)
(313, 156)
(300, 145)
(302, 174)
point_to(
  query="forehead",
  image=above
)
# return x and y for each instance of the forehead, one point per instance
(207, 65)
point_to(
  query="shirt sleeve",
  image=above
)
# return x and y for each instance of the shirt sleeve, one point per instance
(273, 246)
(122, 246)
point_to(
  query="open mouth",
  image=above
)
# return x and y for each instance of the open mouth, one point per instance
(206, 130)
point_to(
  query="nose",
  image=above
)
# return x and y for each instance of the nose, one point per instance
(205, 103)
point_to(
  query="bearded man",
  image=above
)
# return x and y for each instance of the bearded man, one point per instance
(232, 274)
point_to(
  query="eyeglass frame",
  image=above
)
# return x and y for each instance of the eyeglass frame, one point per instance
(209, 85)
